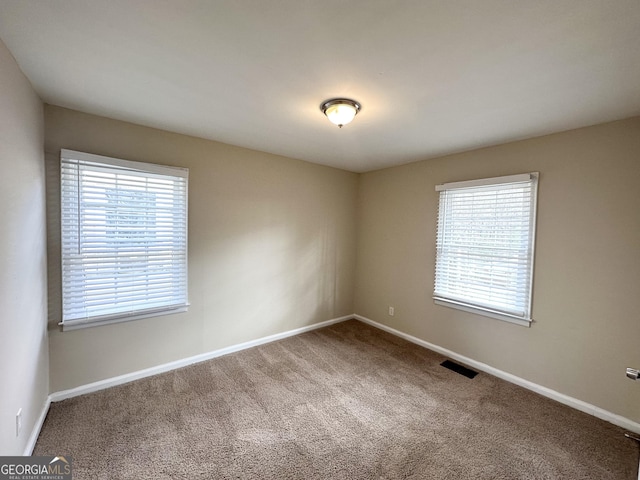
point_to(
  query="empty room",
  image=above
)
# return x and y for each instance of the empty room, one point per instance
(320, 239)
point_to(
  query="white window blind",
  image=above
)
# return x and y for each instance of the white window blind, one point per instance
(485, 246)
(124, 239)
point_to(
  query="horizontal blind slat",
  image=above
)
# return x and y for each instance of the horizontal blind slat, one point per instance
(484, 245)
(124, 236)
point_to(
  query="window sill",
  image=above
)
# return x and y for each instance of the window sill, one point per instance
(108, 320)
(485, 313)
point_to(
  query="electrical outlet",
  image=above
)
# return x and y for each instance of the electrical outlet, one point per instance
(392, 310)
(18, 422)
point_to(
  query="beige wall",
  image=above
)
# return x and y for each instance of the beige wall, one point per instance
(273, 245)
(586, 302)
(273, 242)
(24, 362)
(271, 248)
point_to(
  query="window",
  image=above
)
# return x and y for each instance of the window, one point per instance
(124, 239)
(485, 244)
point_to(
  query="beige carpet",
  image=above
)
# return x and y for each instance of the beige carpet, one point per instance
(344, 402)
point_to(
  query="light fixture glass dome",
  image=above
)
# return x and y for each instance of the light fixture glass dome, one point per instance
(340, 111)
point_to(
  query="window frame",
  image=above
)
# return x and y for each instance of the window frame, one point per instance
(148, 171)
(469, 305)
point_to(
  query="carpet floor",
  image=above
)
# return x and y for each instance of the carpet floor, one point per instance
(344, 402)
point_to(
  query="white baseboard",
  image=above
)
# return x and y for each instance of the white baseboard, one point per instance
(547, 392)
(166, 367)
(129, 377)
(35, 432)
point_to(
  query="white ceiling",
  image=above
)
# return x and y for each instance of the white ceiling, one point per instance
(433, 76)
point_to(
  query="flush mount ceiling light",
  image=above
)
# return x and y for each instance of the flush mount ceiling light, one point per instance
(340, 111)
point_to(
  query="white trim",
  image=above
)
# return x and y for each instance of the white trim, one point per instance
(122, 379)
(35, 432)
(522, 177)
(547, 392)
(70, 325)
(444, 302)
(167, 367)
(125, 164)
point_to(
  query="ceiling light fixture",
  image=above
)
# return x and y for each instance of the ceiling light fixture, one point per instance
(340, 111)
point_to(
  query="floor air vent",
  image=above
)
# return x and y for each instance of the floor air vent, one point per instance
(456, 367)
